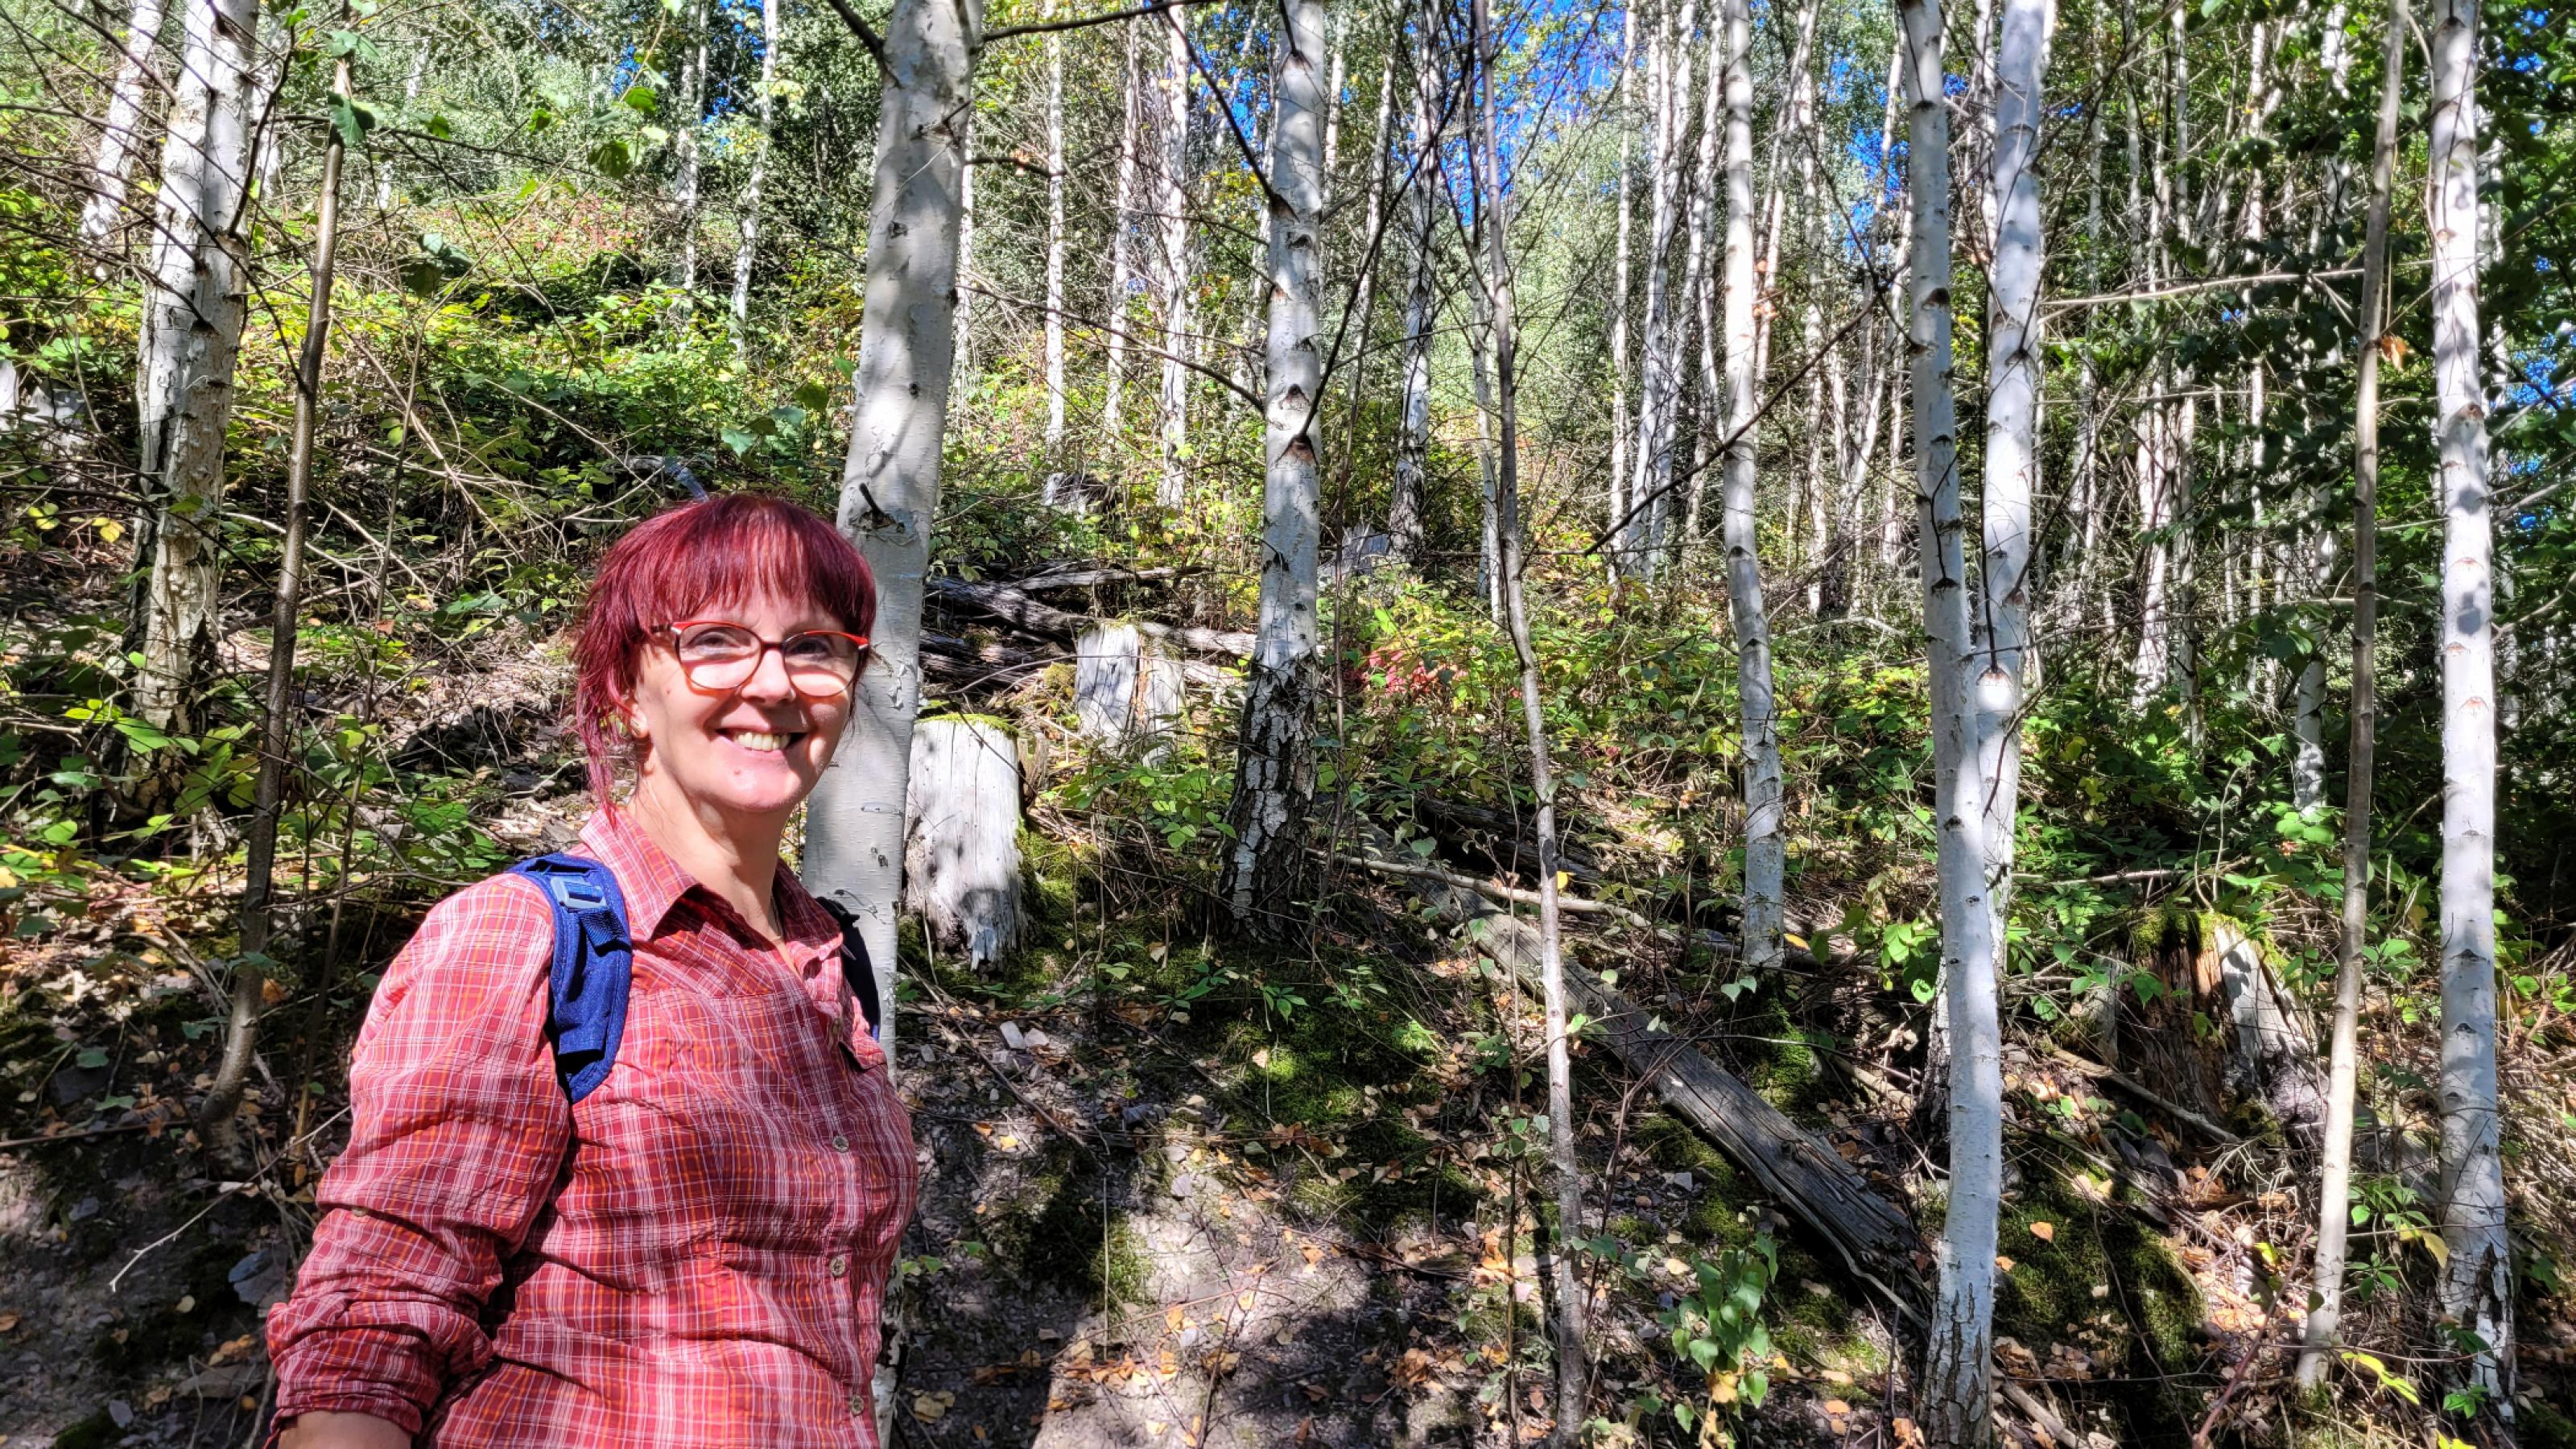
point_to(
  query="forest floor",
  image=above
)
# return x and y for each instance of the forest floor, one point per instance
(1176, 1191)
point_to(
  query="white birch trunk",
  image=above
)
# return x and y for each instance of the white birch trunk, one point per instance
(1275, 785)
(120, 132)
(1955, 1404)
(1627, 122)
(1665, 541)
(961, 862)
(1421, 313)
(2477, 1279)
(411, 99)
(2013, 372)
(1172, 206)
(1659, 390)
(192, 323)
(1122, 220)
(1765, 827)
(1055, 241)
(687, 137)
(854, 832)
(746, 250)
(965, 320)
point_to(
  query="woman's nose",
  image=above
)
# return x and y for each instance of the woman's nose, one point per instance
(769, 681)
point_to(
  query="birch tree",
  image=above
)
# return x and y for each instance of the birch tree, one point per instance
(2334, 1187)
(687, 139)
(1959, 1362)
(1624, 110)
(1122, 224)
(890, 485)
(1421, 307)
(747, 248)
(1275, 779)
(2012, 434)
(1493, 215)
(1765, 827)
(1659, 389)
(120, 131)
(1055, 238)
(1171, 206)
(2477, 1277)
(192, 323)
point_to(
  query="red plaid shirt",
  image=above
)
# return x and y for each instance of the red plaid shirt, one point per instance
(695, 1254)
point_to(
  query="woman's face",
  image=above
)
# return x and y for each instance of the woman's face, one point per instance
(753, 750)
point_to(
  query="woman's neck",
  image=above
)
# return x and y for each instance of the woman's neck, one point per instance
(736, 859)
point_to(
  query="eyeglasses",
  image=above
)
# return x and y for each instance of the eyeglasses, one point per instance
(716, 655)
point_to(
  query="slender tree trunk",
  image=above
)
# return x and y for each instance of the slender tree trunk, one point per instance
(964, 347)
(120, 133)
(854, 833)
(276, 731)
(1796, 131)
(2013, 369)
(1275, 785)
(692, 122)
(2334, 1189)
(1628, 123)
(1055, 241)
(1573, 1371)
(1659, 393)
(1172, 206)
(1421, 307)
(1362, 315)
(2477, 1278)
(1958, 1369)
(1765, 828)
(748, 249)
(192, 322)
(1121, 252)
(1489, 557)
(1700, 295)
(411, 99)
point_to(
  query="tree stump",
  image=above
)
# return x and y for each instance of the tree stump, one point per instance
(1124, 690)
(961, 859)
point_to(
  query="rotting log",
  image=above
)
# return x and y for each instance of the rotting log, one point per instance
(961, 860)
(1017, 609)
(1873, 1237)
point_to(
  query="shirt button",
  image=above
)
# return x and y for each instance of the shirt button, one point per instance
(840, 1143)
(840, 1264)
(859, 1405)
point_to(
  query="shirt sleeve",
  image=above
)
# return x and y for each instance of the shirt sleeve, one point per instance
(459, 1131)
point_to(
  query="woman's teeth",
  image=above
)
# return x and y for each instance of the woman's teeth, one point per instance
(758, 740)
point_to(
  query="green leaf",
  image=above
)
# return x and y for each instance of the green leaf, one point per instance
(352, 120)
(643, 100)
(612, 159)
(738, 440)
(91, 1058)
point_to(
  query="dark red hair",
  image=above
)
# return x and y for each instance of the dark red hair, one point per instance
(680, 563)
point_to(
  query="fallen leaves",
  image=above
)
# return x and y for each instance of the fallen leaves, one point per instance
(2045, 1232)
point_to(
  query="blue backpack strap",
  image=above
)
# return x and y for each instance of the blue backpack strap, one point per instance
(855, 967)
(594, 966)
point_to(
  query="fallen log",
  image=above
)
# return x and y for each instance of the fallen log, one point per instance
(1015, 608)
(1092, 578)
(1874, 1239)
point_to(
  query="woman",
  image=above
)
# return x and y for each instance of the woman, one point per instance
(696, 1251)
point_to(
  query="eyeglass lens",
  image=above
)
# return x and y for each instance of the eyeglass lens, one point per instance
(721, 656)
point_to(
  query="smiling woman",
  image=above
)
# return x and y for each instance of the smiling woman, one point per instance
(692, 1249)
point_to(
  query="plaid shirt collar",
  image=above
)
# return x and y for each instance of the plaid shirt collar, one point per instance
(654, 883)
